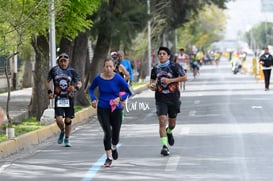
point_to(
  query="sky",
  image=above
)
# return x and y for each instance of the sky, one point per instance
(242, 15)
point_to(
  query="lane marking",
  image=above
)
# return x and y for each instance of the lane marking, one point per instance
(3, 167)
(95, 168)
(185, 131)
(172, 163)
(256, 107)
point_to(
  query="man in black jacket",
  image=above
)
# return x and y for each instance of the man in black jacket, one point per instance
(266, 60)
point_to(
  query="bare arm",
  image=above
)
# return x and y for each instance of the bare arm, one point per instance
(177, 79)
(125, 72)
(48, 88)
(152, 84)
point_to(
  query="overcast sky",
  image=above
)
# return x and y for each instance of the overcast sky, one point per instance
(243, 14)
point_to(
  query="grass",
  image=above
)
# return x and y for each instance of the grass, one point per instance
(24, 127)
(31, 124)
(138, 84)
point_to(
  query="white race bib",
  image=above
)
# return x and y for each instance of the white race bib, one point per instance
(63, 102)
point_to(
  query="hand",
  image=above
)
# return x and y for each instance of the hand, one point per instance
(50, 96)
(57, 90)
(152, 86)
(71, 88)
(94, 104)
(116, 101)
(165, 80)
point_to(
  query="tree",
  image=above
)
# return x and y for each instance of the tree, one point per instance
(11, 37)
(72, 21)
(23, 15)
(259, 35)
(205, 29)
(117, 23)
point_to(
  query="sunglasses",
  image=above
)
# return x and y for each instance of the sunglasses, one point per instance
(64, 56)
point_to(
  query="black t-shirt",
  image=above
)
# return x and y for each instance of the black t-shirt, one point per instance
(62, 79)
(170, 91)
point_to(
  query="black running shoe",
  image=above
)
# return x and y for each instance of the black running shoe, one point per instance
(165, 151)
(107, 162)
(170, 138)
(115, 154)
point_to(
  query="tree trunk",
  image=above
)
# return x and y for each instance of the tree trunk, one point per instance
(39, 99)
(80, 52)
(27, 77)
(101, 51)
(77, 51)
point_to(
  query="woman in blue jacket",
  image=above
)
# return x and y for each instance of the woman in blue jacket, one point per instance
(109, 108)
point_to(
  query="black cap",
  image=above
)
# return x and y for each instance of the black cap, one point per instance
(166, 49)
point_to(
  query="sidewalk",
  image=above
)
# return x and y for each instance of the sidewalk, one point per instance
(18, 105)
(19, 102)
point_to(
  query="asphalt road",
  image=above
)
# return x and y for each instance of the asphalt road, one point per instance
(224, 132)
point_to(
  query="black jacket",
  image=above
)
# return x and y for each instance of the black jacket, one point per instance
(267, 59)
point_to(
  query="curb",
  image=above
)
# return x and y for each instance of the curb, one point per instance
(27, 141)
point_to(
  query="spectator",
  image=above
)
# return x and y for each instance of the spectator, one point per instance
(266, 60)
(127, 64)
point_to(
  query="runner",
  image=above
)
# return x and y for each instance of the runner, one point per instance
(66, 81)
(165, 78)
(183, 60)
(109, 107)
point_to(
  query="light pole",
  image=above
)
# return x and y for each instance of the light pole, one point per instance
(149, 40)
(52, 41)
(48, 114)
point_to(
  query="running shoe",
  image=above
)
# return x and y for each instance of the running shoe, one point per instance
(115, 154)
(165, 151)
(107, 162)
(170, 138)
(61, 137)
(66, 142)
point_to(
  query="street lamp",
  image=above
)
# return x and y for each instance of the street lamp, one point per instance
(52, 41)
(149, 40)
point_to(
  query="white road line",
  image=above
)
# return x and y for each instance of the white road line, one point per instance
(3, 167)
(256, 107)
(172, 163)
(185, 131)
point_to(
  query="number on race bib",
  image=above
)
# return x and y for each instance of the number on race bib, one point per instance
(63, 102)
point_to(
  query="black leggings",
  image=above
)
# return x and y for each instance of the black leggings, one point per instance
(110, 123)
(267, 74)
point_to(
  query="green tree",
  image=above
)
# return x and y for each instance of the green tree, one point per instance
(29, 19)
(117, 23)
(203, 30)
(260, 35)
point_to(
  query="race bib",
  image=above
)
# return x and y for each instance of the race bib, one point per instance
(63, 102)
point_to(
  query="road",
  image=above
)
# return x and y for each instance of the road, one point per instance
(224, 132)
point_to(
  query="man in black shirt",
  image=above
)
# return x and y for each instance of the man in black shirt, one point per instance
(165, 78)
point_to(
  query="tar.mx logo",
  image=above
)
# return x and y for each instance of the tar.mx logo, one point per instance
(133, 106)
